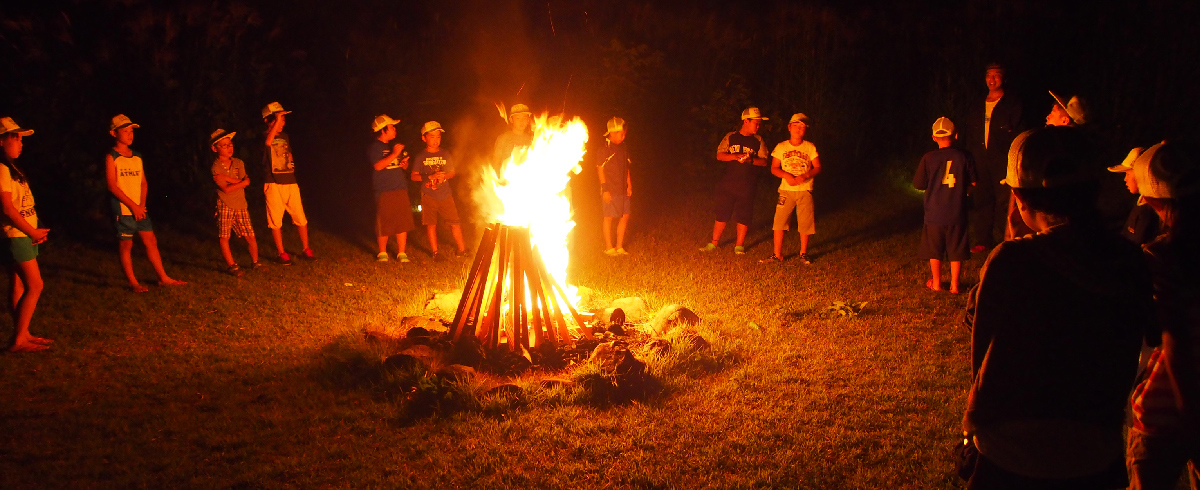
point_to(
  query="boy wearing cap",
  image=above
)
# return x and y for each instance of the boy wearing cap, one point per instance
(233, 214)
(947, 176)
(127, 183)
(616, 186)
(1142, 226)
(280, 188)
(1058, 322)
(24, 234)
(795, 162)
(518, 135)
(745, 155)
(435, 167)
(1070, 113)
(389, 179)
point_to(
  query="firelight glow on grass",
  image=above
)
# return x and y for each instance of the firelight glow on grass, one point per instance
(531, 191)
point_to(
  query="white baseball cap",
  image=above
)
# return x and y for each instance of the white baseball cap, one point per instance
(381, 121)
(753, 113)
(1075, 107)
(431, 126)
(273, 108)
(615, 124)
(1127, 164)
(10, 126)
(1033, 152)
(119, 121)
(943, 127)
(799, 117)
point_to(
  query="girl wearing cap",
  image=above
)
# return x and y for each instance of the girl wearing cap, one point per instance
(24, 235)
(1165, 436)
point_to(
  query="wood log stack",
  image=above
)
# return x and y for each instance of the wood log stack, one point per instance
(510, 301)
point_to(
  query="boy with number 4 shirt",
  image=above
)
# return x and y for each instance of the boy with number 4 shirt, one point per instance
(127, 183)
(947, 176)
(796, 162)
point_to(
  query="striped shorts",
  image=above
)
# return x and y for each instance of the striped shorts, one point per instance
(237, 220)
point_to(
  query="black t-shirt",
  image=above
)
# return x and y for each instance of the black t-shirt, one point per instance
(277, 158)
(1142, 226)
(742, 177)
(945, 175)
(615, 162)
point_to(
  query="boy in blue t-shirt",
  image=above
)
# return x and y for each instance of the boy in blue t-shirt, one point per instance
(435, 167)
(947, 176)
(616, 185)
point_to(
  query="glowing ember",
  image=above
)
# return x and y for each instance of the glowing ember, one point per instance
(532, 191)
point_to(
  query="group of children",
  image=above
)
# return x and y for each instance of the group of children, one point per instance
(795, 161)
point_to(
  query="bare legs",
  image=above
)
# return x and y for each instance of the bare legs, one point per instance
(935, 267)
(401, 243)
(151, 243)
(26, 281)
(622, 224)
(251, 243)
(719, 228)
(277, 235)
(455, 231)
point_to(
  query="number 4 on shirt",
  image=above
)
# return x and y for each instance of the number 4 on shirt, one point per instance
(948, 179)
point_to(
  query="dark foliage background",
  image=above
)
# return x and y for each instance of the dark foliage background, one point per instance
(872, 76)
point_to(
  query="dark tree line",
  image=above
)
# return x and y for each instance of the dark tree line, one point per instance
(872, 76)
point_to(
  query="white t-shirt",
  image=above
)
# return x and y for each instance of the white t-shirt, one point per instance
(129, 178)
(22, 199)
(795, 160)
(987, 119)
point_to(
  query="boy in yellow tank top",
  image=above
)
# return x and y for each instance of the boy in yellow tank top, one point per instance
(127, 183)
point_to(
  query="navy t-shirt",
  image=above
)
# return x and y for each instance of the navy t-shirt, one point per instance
(614, 159)
(392, 177)
(426, 164)
(945, 175)
(741, 177)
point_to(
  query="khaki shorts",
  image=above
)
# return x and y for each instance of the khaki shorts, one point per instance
(802, 202)
(280, 198)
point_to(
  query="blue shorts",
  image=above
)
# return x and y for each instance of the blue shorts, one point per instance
(127, 226)
(618, 207)
(22, 248)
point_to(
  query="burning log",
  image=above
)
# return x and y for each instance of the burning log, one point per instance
(510, 300)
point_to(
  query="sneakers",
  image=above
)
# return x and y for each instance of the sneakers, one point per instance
(381, 257)
(403, 258)
(978, 249)
(621, 251)
(739, 250)
(708, 248)
(285, 259)
(234, 270)
(255, 266)
(308, 254)
(458, 254)
(439, 257)
(805, 259)
(612, 252)
(773, 259)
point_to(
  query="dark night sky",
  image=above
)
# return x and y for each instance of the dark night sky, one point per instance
(872, 75)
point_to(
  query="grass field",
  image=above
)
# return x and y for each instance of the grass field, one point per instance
(224, 382)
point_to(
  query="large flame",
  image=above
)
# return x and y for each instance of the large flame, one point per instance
(532, 191)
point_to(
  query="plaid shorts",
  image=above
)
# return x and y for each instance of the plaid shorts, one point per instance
(237, 220)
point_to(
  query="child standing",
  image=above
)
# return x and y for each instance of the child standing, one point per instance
(616, 186)
(435, 167)
(745, 154)
(796, 162)
(127, 183)
(24, 235)
(281, 190)
(393, 213)
(946, 175)
(232, 211)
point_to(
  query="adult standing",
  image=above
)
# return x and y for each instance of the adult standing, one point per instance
(745, 156)
(991, 127)
(519, 134)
